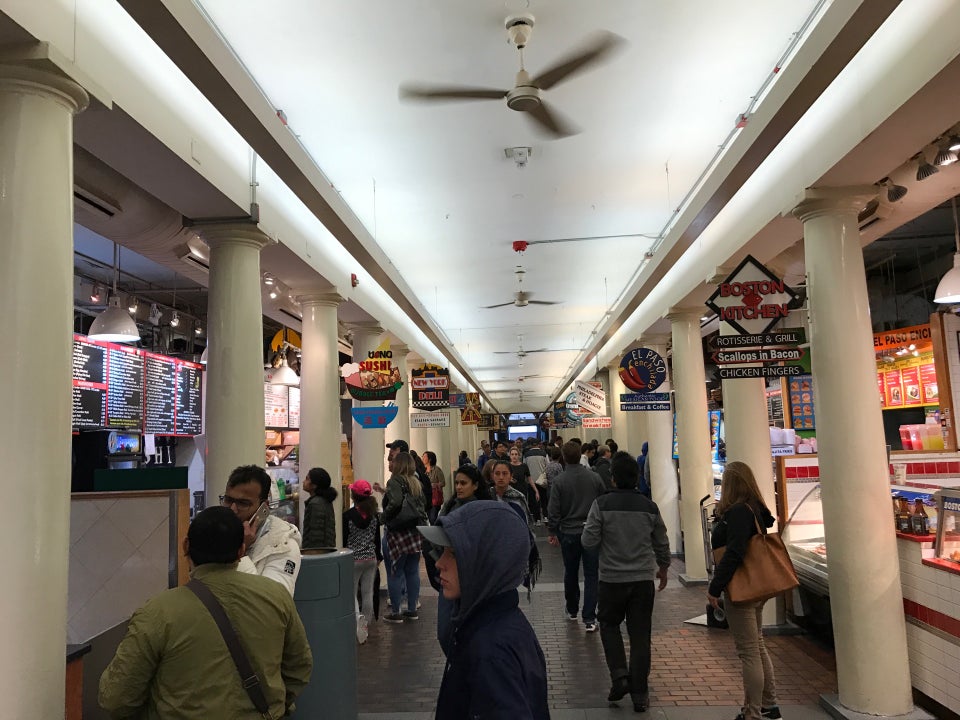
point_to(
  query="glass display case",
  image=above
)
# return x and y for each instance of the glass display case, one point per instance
(948, 525)
(804, 537)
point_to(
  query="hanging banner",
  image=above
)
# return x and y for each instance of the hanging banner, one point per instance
(631, 402)
(591, 399)
(470, 415)
(430, 420)
(373, 417)
(572, 410)
(458, 400)
(376, 378)
(752, 299)
(430, 386)
(488, 421)
(642, 370)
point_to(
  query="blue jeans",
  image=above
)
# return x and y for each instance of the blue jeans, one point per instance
(407, 573)
(573, 553)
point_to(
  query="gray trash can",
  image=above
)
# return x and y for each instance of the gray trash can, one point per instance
(325, 601)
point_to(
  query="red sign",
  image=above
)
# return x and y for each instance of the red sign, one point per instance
(880, 388)
(928, 381)
(910, 376)
(894, 386)
(752, 299)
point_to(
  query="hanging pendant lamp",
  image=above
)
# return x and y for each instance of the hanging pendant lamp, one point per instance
(114, 324)
(284, 374)
(948, 290)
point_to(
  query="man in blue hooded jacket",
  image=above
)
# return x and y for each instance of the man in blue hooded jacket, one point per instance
(495, 669)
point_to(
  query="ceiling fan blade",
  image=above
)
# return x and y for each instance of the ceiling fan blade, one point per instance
(551, 121)
(599, 47)
(543, 302)
(490, 307)
(538, 350)
(449, 93)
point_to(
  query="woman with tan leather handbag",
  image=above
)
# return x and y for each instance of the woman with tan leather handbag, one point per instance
(740, 515)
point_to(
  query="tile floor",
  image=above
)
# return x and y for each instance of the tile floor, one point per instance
(695, 673)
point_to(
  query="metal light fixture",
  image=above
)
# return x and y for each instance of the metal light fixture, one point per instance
(953, 143)
(948, 290)
(95, 293)
(894, 192)
(175, 319)
(198, 328)
(945, 156)
(925, 169)
(133, 305)
(269, 279)
(113, 324)
(155, 315)
(203, 355)
(283, 374)
(273, 293)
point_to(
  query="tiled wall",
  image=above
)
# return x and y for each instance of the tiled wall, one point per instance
(119, 557)
(931, 602)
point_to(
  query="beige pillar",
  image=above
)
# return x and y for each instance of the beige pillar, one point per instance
(399, 429)
(693, 436)
(658, 431)
(451, 438)
(369, 446)
(619, 417)
(438, 444)
(36, 266)
(234, 413)
(873, 672)
(320, 393)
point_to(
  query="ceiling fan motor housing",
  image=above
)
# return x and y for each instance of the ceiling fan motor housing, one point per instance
(523, 98)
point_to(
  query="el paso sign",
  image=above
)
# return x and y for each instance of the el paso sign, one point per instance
(752, 299)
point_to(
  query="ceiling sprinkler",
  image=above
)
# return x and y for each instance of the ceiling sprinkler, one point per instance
(520, 245)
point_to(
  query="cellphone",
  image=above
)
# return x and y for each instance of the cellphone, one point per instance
(260, 517)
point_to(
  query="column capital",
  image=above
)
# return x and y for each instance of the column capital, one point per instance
(233, 233)
(661, 339)
(817, 202)
(367, 327)
(325, 299)
(684, 314)
(400, 349)
(22, 75)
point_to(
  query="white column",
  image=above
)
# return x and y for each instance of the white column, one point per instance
(234, 414)
(36, 281)
(865, 598)
(418, 439)
(658, 428)
(369, 446)
(747, 435)
(437, 442)
(693, 436)
(637, 433)
(618, 416)
(451, 439)
(399, 429)
(320, 394)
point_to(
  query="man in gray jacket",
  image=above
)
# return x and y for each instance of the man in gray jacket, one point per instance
(631, 536)
(571, 495)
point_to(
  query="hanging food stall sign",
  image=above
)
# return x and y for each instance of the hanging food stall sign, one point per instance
(758, 355)
(573, 416)
(470, 414)
(597, 422)
(430, 386)
(488, 421)
(631, 402)
(767, 371)
(430, 420)
(752, 299)
(373, 417)
(458, 400)
(591, 399)
(642, 370)
(375, 378)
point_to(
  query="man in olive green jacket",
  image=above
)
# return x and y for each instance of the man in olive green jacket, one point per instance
(173, 663)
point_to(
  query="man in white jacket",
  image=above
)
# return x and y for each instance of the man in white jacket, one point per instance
(273, 549)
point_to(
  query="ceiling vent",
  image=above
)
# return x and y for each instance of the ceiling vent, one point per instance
(195, 262)
(94, 203)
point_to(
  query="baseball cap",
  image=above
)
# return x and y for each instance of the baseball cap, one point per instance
(400, 445)
(435, 534)
(361, 488)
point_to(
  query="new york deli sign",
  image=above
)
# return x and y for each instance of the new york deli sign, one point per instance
(752, 299)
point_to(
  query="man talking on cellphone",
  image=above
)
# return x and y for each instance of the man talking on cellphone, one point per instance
(273, 545)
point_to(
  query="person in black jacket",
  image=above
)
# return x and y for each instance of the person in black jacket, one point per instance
(740, 510)
(319, 523)
(495, 668)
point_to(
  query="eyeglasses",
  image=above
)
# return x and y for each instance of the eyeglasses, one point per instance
(241, 503)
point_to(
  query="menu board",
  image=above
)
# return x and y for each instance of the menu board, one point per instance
(928, 382)
(124, 389)
(275, 410)
(293, 408)
(189, 418)
(910, 377)
(802, 415)
(119, 387)
(893, 388)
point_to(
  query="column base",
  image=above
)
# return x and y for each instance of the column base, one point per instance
(688, 581)
(831, 703)
(785, 628)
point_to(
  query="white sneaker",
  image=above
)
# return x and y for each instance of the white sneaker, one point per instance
(362, 631)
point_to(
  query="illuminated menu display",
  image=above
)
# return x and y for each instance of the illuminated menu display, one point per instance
(118, 387)
(275, 411)
(910, 382)
(124, 388)
(293, 407)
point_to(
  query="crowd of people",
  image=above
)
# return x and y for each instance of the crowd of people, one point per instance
(478, 547)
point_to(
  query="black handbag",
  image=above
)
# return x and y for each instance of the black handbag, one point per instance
(410, 514)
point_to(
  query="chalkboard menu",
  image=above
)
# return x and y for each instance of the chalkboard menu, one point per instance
(119, 387)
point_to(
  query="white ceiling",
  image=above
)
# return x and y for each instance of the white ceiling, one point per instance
(432, 185)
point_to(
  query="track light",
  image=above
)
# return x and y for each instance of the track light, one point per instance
(175, 319)
(954, 143)
(133, 305)
(894, 192)
(95, 293)
(269, 279)
(925, 169)
(945, 156)
(155, 315)
(273, 293)
(198, 328)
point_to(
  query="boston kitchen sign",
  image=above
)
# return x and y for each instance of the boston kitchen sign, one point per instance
(752, 299)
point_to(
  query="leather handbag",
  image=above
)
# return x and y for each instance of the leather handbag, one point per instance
(766, 570)
(410, 514)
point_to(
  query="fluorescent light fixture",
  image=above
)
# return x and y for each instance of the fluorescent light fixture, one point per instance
(114, 325)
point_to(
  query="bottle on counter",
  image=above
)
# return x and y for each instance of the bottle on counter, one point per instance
(903, 515)
(281, 489)
(919, 522)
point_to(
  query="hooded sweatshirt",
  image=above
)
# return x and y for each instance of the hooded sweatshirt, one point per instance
(495, 669)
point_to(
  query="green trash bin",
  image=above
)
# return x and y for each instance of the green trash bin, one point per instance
(325, 600)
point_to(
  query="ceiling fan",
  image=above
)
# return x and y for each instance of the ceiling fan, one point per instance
(526, 94)
(521, 298)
